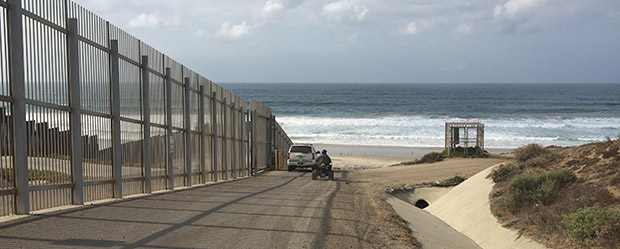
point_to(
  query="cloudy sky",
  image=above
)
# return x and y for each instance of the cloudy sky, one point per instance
(421, 41)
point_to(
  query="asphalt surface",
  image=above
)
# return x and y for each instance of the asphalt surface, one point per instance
(276, 210)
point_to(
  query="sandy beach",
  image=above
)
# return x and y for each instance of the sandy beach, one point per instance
(360, 157)
(388, 151)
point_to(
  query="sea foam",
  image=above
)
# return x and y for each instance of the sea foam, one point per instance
(426, 131)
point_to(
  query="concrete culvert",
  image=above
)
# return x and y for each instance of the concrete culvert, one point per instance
(421, 204)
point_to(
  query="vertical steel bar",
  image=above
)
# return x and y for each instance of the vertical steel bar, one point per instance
(76, 109)
(214, 135)
(116, 120)
(188, 133)
(233, 152)
(445, 137)
(146, 116)
(269, 149)
(242, 128)
(466, 141)
(203, 132)
(253, 145)
(18, 113)
(481, 132)
(224, 141)
(170, 137)
(248, 116)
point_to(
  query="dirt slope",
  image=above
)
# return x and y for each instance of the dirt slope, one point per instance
(597, 170)
(466, 208)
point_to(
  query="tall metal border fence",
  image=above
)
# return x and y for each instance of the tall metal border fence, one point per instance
(268, 136)
(88, 112)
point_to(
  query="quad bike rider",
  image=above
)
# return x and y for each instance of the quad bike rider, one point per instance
(323, 167)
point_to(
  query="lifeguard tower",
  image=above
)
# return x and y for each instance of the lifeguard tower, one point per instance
(461, 135)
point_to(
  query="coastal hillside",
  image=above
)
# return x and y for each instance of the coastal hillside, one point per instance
(562, 197)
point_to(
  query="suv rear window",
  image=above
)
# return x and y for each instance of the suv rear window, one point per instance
(301, 149)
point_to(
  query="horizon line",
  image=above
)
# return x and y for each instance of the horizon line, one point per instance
(302, 82)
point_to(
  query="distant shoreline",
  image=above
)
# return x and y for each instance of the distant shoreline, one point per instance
(388, 150)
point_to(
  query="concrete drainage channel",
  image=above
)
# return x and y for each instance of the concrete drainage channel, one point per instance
(409, 202)
(421, 197)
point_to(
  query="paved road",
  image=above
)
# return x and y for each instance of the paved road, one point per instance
(277, 210)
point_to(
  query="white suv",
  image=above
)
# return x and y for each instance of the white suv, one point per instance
(300, 156)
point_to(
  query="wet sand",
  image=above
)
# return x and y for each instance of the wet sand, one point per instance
(388, 151)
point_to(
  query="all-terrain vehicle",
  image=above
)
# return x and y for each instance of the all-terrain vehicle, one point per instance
(323, 170)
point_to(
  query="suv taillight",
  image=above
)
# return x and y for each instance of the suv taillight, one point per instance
(288, 156)
(312, 156)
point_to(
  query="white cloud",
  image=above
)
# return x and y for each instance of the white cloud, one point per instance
(268, 11)
(234, 32)
(360, 12)
(145, 21)
(410, 29)
(346, 10)
(153, 20)
(513, 8)
(462, 30)
(272, 6)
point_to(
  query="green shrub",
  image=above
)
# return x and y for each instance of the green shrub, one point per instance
(538, 161)
(510, 223)
(546, 190)
(528, 188)
(590, 222)
(529, 151)
(562, 177)
(512, 202)
(431, 157)
(7, 174)
(449, 182)
(498, 200)
(459, 151)
(503, 172)
(35, 175)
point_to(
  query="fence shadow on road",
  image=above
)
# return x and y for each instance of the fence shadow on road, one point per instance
(269, 191)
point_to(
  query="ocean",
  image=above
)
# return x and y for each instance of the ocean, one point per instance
(414, 114)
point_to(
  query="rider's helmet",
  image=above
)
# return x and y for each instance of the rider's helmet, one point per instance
(324, 152)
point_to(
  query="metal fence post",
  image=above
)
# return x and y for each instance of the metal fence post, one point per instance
(146, 116)
(76, 112)
(214, 135)
(233, 115)
(253, 144)
(18, 93)
(224, 141)
(188, 133)
(242, 134)
(169, 135)
(270, 141)
(248, 145)
(116, 120)
(201, 120)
